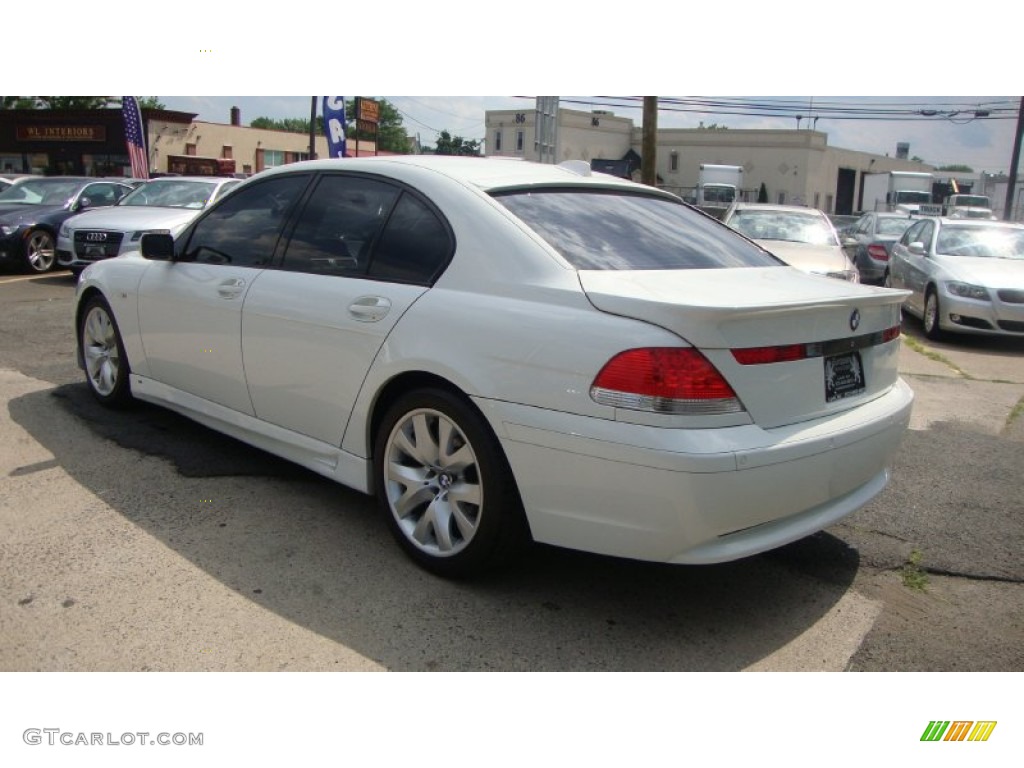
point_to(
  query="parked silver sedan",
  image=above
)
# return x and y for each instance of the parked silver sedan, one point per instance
(869, 243)
(964, 275)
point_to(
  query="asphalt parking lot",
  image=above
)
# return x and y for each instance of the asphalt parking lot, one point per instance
(140, 541)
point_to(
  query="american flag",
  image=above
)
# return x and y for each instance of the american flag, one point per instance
(133, 136)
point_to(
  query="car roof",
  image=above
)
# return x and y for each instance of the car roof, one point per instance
(485, 173)
(778, 207)
(945, 221)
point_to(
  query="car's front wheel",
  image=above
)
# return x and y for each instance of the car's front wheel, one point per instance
(932, 315)
(445, 487)
(106, 365)
(40, 253)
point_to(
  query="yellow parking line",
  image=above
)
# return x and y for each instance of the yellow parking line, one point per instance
(4, 280)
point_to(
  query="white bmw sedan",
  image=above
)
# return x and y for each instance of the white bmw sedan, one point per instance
(503, 351)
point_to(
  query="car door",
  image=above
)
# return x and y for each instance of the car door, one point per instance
(190, 309)
(361, 252)
(908, 269)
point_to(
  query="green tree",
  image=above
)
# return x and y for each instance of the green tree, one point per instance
(391, 135)
(151, 102)
(957, 168)
(456, 145)
(762, 194)
(78, 102)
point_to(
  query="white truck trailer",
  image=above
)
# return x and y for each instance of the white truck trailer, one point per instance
(900, 191)
(718, 185)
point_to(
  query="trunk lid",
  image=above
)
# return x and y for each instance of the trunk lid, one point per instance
(840, 325)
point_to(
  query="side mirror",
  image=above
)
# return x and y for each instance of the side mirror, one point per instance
(917, 248)
(158, 246)
(83, 202)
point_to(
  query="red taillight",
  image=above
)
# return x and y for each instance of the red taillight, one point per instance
(763, 355)
(665, 380)
(878, 252)
(889, 334)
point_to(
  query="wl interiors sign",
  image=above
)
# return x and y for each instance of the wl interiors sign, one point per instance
(61, 133)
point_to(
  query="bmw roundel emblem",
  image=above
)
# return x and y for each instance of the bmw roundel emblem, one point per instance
(855, 320)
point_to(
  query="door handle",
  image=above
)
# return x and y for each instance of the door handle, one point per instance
(369, 309)
(231, 289)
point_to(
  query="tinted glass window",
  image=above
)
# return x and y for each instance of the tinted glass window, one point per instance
(913, 234)
(338, 225)
(415, 245)
(595, 230)
(243, 231)
(101, 194)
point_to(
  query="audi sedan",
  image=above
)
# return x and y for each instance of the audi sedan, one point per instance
(504, 351)
(164, 204)
(964, 275)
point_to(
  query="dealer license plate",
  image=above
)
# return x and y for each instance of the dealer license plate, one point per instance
(844, 376)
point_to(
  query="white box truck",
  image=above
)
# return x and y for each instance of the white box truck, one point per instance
(719, 185)
(900, 191)
(959, 206)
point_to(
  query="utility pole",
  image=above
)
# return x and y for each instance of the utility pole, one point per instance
(1011, 185)
(312, 127)
(649, 145)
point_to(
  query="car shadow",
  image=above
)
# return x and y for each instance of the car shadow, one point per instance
(320, 556)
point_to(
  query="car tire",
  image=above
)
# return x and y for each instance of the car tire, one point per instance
(103, 355)
(40, 251)
(930, 316)
(445, 487)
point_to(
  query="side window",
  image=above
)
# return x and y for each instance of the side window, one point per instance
(337, 227)
(864, 226)
(912, 234)
(415, 245)
(244, 230)
(926, 233)
(100, 194)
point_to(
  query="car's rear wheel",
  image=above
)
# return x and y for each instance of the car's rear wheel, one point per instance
(931, 316)
(106, 365)
(40, 253)
(445, 487)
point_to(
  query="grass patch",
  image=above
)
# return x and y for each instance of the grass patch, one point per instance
(915, 577)
(1016, 413)
(931, 354)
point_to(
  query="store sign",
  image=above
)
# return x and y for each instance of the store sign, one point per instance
(61, 133)
(367, 110)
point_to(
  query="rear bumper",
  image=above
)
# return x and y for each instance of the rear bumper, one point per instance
(695, 495)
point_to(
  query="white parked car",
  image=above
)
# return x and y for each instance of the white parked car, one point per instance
(964, 275)
(164, 204)
(802, 237)
(503, 350)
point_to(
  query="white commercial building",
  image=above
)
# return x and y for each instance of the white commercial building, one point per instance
(795, 166)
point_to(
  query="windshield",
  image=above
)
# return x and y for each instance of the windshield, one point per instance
(615, 230)
(975, 200)
(794, 227)
(982, 242)
(52, 191)
(172, 193)
(716, 194)
(913, 197)
(893, 226)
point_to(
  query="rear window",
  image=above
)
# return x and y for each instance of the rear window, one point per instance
(612, 230)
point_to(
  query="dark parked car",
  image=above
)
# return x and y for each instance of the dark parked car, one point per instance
(869, 243)
(32, 211)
